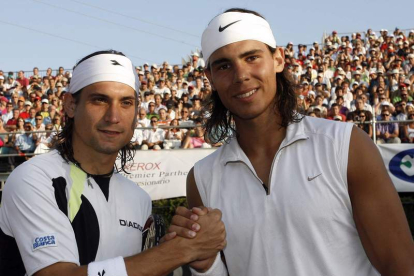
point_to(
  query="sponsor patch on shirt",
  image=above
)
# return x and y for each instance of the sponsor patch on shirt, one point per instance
(44, 241)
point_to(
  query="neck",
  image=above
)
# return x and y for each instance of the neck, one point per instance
(93, 162)
(261, 134)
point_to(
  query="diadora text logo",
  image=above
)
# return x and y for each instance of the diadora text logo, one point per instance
(124, 222)
(402, 165)
(44, 241)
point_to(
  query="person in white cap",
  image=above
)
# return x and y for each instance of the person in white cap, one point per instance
(299, 195)
(69, 212)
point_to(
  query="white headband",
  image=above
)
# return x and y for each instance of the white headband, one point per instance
(104, 67)
(231, 27)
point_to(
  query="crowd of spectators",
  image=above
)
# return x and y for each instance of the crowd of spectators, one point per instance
(357, 78)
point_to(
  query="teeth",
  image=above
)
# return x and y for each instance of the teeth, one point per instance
(248, 94)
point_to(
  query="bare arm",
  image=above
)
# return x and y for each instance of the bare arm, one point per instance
(378, 214)
(166, 257)
(194, 200)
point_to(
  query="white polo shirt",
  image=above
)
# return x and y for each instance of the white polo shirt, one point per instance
(304, 226)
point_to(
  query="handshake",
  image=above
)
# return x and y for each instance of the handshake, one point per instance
(201, 235)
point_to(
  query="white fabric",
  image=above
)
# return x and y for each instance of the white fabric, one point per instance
(104, 67)
(112, 267)
(302, 227)
(29, 210)
(217, 269)
(237, 27)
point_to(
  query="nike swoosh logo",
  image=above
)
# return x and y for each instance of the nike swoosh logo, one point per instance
(312, 178)
(228, 25)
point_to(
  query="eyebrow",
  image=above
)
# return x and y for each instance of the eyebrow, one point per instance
(97, 94)
(242, 55)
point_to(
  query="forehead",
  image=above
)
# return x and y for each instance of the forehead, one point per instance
(234, 50)
(111, 89)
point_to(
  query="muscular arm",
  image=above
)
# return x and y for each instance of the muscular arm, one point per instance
(378, 214)
(164, 258)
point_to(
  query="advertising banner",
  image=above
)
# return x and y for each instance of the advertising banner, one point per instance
(162, 174)
(399, 161)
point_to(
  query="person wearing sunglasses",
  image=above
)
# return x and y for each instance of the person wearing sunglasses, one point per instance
(387, 133)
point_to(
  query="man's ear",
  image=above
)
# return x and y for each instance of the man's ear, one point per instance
(207, 71)
(279, 60)
(69, 105)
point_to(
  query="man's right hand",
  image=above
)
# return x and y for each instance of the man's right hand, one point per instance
(192, 224)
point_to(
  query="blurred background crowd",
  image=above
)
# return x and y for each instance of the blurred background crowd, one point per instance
(360, 78)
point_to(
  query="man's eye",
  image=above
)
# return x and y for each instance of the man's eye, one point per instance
(223, 67)
(127, 103)
(252, 58)
(99, 100)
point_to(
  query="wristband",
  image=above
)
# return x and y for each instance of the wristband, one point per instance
(217, 269)
(111, 267)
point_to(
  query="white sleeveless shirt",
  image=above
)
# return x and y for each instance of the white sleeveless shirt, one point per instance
(304, 225)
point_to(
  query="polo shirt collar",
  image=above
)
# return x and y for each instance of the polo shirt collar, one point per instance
(232, 152)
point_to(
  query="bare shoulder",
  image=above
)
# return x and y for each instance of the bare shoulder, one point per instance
(377, 210)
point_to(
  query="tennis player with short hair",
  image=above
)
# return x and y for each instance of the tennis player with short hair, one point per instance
(69, 212)
(299, 195)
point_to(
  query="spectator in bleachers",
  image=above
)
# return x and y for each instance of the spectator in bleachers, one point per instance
(158, 103)
(362, 117)
(174, 133)
(402, 94)
(319, 104)
(161, 88)
(151, 111)
(153, 138)
(56, 122)
(25, 113)
(10, 86)
(3, 105)
(44, 142)
(45, 108)
(12, 122)
(2, 86)
(138, 137)
(8, 113)
(195, 138)
(409, 128)
(37, 104)
(143, 120)
(335, 112)
(22, 79)
(19, 130)
(26, 142)
(14, 99)
(196, 110)
(387, 132)
(4, 138)
(59, 90)
(39, 125)
(164, 119)
(32, 116)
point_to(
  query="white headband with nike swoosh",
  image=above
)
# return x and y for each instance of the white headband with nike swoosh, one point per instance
(231, 27)
(104, 67)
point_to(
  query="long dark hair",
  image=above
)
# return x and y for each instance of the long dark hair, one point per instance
(219, 123)
(64, 143)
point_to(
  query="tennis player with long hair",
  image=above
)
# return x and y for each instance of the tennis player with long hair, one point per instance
(69, 212)
(299, 195)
